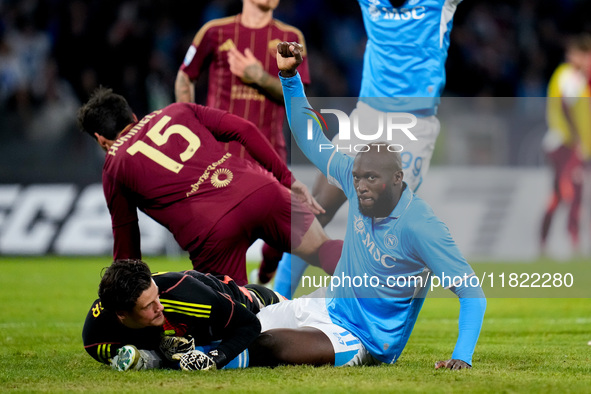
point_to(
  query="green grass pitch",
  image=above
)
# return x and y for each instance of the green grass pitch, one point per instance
(527, 344)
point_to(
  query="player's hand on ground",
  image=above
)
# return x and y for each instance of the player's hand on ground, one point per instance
(289, 57)
(195, 360)
(171, 345)
(452, 364)
(245, 66)
(301, 192)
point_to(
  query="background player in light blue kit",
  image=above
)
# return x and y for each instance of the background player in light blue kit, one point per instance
(391, 235)
(403, 71)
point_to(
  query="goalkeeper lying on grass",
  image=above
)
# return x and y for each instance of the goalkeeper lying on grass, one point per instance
(186, 320)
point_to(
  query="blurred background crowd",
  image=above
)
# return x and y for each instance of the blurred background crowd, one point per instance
(54, 53)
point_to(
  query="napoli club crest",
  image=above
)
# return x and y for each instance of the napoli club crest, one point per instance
(390, 241)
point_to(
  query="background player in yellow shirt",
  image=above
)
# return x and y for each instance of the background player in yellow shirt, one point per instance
(568, 141)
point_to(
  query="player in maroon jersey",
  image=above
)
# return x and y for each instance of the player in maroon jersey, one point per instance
(240, 53)
(171, 166)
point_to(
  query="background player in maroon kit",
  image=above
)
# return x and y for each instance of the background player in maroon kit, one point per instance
(240, 52)
(171, 166)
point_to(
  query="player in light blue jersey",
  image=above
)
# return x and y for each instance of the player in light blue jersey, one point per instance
(395, 248)
(406, 52)
(403, 71)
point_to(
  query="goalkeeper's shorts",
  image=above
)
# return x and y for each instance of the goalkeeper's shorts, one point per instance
(263, 296)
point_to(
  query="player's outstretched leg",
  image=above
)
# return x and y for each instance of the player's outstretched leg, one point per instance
(318, 249)
(291, 268)
(279, 346)
(289, 226)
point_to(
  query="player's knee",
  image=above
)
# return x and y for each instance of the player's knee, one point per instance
(266, 342)
(264, 351)
(312, 240)
(316, 231)
(325, 218)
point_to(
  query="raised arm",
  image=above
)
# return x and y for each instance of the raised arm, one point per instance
(298, 108)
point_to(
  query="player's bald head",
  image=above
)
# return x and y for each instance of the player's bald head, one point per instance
(379, 158)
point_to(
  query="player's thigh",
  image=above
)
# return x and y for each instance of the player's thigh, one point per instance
(295, 313)
(242, 224)
(306, 345)
(223, 251)
(311, 240)
(319, 344)
(301, 321)
(288, 222)
(310, 312)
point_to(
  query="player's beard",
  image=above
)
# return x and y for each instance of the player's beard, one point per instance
(365, 211)
(381, 207)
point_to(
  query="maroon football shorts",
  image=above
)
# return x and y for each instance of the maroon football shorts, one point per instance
(567, 170)
(270, 213)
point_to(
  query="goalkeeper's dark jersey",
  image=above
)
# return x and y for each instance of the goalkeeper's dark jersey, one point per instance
(201, 305)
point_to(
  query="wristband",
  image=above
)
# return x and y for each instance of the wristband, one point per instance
(218, 357)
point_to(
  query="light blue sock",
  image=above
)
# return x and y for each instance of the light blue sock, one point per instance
(288, 275)
(283, 276)
(240, 361)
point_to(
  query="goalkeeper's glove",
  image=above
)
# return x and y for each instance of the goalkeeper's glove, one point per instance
(129, 357)
(196, 360)
(171, 345)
